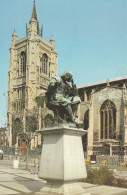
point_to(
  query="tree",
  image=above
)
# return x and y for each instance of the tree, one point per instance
(27, 136)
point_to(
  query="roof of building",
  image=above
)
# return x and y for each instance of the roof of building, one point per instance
(103, 82)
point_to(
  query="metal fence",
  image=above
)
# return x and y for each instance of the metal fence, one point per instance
(112, 161)
(12, 152)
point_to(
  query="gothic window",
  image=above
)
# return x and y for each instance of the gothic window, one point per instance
(87, 95)
(86, 126)
(19, 106)
(18, 68)
(23, 63)
(108, 120)
(17, 127)
(49, 69)
(14, 106)
(18, 93)
(31, 123)
(86, 120)
(44, 63)
(81, 94)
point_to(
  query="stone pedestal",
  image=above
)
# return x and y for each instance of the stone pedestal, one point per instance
(62, 161)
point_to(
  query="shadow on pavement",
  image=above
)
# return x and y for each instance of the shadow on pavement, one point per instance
(29, 184)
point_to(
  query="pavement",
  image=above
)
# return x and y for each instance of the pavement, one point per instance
(20, 181)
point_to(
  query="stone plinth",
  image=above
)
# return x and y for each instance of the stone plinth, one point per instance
(62, 161)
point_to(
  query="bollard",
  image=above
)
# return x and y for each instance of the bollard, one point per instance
(15, 164)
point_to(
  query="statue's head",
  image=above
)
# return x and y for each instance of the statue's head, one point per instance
(67, 75)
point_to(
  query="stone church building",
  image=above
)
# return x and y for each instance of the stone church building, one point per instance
(32, 62)
(104, 111)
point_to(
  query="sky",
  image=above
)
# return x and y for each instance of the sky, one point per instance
(90, 37)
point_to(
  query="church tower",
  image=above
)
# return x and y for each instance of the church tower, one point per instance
(32, 62)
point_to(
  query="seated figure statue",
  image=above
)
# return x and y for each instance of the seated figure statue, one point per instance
(63, 99)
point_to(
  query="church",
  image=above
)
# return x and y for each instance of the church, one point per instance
(104, 112)
(32, 62)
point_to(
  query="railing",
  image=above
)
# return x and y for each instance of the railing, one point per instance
(12, 152)
(113, 161)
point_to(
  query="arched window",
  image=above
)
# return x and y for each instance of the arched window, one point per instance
(44, 63)
(86, 120)
(17, 127)
(23, 62)
(18, 68)
(31, 123)
(108, 120)
(86, 126)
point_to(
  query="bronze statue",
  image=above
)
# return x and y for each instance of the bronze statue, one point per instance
(63, 99)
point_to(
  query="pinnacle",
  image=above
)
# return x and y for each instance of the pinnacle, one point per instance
(34, 15)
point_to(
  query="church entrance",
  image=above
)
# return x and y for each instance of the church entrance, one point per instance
(23, 147)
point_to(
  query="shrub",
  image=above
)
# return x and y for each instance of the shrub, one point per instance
(120, 182)
(104, 176)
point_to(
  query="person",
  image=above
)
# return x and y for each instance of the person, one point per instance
(63, 93)
(1, 152)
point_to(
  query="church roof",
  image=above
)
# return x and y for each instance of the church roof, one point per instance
(103, 82)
